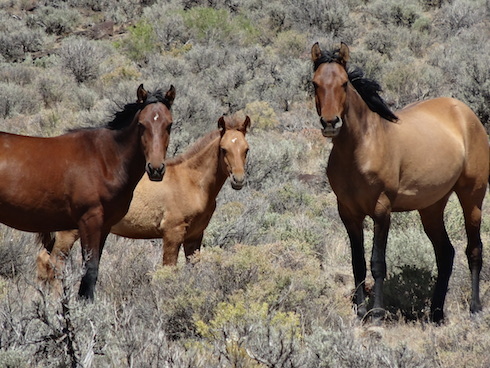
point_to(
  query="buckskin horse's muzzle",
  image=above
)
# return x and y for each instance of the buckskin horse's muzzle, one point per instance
(331, 128)
(155, 174)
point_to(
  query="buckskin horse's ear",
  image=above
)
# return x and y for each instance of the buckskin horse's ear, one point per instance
(141, 93)
(344, 54)
(170, 95)
(316, 53)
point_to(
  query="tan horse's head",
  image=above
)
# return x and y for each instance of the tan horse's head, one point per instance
(155, 123)
(330, 81)
(234, 148)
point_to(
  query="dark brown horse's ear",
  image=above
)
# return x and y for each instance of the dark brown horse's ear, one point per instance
(170, 95)
(344, 54)
(316, 53)
(141, 93)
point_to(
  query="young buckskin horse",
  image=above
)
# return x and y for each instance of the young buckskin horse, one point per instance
(85, 178)
(177, 209)
(383, 162)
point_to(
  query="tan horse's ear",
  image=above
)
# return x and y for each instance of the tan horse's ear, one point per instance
(141, 93)
(246, 125)
(316, 53)
(170, 95)
(344, 54)
(222, 124)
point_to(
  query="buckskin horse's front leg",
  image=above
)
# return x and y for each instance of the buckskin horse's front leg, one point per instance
(378, 259)
(353, 225)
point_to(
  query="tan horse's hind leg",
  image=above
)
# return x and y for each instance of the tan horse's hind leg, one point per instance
(433, 221)
(50, 265)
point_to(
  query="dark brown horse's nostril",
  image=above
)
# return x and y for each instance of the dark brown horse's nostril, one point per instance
(155, 174)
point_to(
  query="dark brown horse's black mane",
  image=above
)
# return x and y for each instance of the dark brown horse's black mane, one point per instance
(367, 88)
(124, 117)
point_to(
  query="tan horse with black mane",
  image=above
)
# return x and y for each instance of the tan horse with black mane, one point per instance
(179, 208)
(383, 162)
(85, 178)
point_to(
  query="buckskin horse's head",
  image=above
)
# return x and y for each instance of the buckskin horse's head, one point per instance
(330, 81)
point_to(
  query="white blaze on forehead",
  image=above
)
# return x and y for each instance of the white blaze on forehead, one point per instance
(234, 140)
(156, 117)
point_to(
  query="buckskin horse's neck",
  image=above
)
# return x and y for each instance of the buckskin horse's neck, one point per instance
(362, 126)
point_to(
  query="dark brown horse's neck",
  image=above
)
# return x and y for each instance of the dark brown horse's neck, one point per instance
(127, 147)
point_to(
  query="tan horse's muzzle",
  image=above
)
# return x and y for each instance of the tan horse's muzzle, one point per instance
(237, 181)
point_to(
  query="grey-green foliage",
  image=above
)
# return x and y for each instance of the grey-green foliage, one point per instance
(16, 39)
(81, 58)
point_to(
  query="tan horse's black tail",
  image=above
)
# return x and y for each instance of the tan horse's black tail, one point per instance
(46, 240)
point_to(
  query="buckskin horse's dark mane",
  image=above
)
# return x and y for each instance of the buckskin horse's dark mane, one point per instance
(124, 117)
(367, 88)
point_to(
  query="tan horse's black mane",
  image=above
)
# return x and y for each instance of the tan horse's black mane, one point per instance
(367, 88)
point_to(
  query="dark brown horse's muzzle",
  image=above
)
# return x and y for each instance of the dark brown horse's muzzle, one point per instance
(155, 174)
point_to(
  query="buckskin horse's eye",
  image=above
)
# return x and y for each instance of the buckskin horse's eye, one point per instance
(344, 86)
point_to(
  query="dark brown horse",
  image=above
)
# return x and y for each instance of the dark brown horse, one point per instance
(177, 209)
(383, 162)
(85, 178)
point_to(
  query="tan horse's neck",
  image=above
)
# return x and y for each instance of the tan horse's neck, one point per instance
(207, 165)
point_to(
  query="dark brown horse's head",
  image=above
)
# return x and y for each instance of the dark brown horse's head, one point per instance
(234, 148)
(155, 123)
(330, 81)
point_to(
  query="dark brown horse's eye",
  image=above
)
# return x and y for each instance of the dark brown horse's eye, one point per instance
(169, 128)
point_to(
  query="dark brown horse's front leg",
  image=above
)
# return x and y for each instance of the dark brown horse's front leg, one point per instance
(353, 226)
(92, 238)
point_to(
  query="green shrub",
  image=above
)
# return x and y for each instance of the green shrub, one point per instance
(218, 24)
(140, 42)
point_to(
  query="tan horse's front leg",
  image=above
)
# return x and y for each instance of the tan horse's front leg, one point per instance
(173, 237)
(192, 246)
(50, 265)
